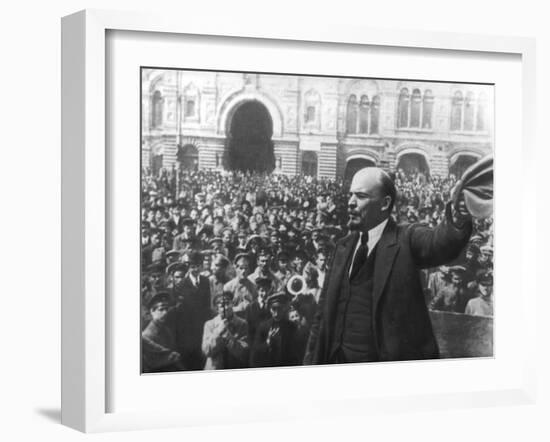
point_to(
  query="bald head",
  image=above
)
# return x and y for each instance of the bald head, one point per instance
(372, 195)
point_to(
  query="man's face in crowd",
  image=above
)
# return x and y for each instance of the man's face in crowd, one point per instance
(456, 279)
(184, 212)
(294, 316)
(225, 308)
(262, 262)
(226, 237)
(298, 263)
(483, 258)
(486, 289)
(219, 268)
(367, 206)
(178, 278)
(283, 263)
(321, 261)
(262, 292)
(187, 230)
(159, 312)
(278, 311)
(156, 279)
(194, 214)
(242, 268)
(195, 269)
(155, 239)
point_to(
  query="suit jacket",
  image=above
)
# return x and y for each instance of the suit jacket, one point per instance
(401, 323)
(192, 311)
(284, 350)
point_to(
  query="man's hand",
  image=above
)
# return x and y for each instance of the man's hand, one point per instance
(460, 212)
(273, 332)
(222, 327)
(174, 357)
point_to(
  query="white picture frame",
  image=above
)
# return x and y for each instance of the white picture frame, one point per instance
(85, 202)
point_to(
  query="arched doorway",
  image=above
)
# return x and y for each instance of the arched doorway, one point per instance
(413, 164)
(461, 163)
(355, 164)
(309, 164)
(188, 157)
(249, 146)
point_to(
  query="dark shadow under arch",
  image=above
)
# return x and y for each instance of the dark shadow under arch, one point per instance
(249, 146)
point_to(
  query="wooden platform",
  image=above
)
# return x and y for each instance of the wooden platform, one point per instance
(463, 336)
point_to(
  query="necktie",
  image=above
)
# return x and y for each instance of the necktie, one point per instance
(360, 256)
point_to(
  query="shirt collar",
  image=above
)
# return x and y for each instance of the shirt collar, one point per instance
(194, 281)
(375, 234)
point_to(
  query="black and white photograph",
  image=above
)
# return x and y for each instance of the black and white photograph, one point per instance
(291, 220)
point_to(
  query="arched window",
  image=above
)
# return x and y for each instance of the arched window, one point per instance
(374, 114)
(351, 120)
(190, 102)
(310, 114)
(156, 109)
(364, 115)
(427, 109)
(312, 106)
(456, 111)
(415, 108)
(309, 163)
(189, 108)
(469, 107)
(403, 108)
(481, 112)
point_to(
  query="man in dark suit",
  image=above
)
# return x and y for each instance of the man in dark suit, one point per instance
(277, 341)
(192, 311)
(372, 305)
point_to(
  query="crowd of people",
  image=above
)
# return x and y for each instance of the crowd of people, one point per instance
(233, 263)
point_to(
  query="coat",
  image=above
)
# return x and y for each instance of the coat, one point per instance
(284, 350)
(222, 353)
(192, 311)
(157, 344)
(401, 323)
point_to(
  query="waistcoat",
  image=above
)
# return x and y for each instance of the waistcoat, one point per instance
(353, 334)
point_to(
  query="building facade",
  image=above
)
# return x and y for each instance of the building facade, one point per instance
(319, 126)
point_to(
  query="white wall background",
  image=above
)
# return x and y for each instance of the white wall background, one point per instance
(30, 221)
